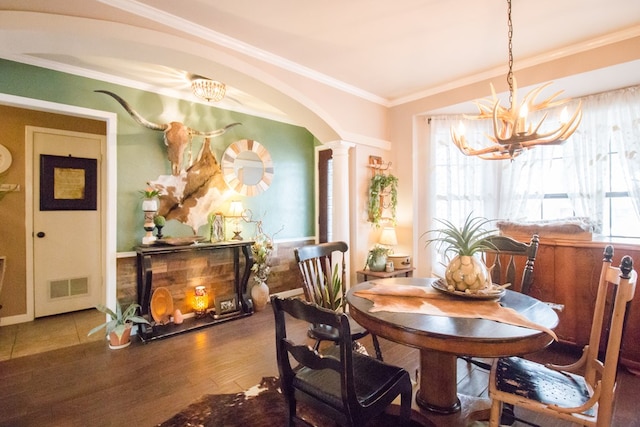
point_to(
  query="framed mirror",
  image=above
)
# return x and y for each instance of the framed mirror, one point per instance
(247, 167)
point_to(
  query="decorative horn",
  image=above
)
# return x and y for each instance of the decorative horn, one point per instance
(176, 134)
(213, 133)
(137, 117)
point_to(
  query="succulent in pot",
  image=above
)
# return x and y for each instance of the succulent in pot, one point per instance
(118, 328)
(466, 272)
(377, 258)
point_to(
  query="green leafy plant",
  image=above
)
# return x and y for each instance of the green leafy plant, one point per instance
(159, 220)
(119, 319)
(149, 193)
(467, 240)
(375, 253)
(329, 290)
(377, 187)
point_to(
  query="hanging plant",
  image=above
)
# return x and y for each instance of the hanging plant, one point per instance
(382, 187)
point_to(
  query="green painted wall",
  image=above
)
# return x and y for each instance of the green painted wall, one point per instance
(287, 206)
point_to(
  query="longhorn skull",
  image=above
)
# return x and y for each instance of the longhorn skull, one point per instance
(176, 134)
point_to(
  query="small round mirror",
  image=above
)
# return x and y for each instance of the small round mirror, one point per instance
(247, 167)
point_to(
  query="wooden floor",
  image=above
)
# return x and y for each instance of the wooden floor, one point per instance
(89, 385)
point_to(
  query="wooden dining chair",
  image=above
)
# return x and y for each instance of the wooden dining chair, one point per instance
(582, 392)
(506, 259)
(323, 269)
(348, 387)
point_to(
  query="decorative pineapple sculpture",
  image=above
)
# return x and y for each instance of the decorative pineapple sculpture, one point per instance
(465, 272)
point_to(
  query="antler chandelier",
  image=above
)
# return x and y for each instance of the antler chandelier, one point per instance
(210, 90)
(512, 135)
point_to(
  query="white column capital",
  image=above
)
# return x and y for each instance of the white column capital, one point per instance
(340, 146)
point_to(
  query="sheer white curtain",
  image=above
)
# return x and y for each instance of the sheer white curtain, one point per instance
(463, 184)
(624, 121)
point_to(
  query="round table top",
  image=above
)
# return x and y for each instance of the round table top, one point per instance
(461, 336)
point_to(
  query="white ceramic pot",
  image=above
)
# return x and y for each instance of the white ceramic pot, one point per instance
(260, 296)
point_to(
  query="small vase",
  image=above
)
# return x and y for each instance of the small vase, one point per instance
(260, 296)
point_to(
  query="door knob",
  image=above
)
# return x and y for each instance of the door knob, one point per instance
(40, 234)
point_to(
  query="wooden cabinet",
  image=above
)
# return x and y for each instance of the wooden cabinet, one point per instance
(567, 273)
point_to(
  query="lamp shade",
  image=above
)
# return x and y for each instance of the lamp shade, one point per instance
(388, 237)
(235, 209)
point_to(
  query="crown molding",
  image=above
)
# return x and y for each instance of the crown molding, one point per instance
(172, 21)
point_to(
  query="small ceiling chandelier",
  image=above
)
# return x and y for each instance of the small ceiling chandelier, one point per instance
(511, 133)
(210, 90)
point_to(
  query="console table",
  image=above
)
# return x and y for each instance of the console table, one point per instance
(145, 255)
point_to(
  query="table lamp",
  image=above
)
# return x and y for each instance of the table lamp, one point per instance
(235, 212)
(388, 238)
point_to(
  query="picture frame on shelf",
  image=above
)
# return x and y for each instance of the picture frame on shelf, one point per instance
(226, 304)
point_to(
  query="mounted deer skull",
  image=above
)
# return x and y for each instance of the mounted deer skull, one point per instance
(176, 134)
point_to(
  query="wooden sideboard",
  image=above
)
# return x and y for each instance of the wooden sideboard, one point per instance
(239, 276)
(567, 273)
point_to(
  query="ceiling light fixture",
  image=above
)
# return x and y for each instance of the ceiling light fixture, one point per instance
(210, 90)
(511, 133)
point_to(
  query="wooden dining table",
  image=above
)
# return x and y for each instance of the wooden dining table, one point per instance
(441, 338)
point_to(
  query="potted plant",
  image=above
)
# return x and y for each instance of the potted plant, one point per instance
(382, 185)
(330, 295)
(465, 272)
(377, 258)
(118, 329)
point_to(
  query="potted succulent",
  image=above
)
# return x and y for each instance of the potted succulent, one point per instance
(465, 272)
(119, 327)
(377, 258)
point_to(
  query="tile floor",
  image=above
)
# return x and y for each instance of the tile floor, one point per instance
(49, 333)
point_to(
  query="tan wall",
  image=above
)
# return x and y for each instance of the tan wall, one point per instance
(13, 243)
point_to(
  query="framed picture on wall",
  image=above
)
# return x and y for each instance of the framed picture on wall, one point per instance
(68, 183)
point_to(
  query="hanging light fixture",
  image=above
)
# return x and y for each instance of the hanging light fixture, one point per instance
(210, 90)
(512, 135)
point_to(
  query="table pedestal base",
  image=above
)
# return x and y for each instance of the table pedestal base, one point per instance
(472, 409)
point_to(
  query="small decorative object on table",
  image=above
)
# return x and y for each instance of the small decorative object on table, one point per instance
(465, 272)
(150, 208)
(200, 301)
(159, 222)
(216, 227)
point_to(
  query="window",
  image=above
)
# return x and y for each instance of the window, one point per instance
(595, 174)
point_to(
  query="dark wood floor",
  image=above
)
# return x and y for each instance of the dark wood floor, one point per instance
(90, 385)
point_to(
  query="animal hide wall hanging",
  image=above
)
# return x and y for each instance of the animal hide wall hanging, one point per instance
(187, 195)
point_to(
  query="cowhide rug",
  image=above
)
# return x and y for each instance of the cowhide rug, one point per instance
(260, 406)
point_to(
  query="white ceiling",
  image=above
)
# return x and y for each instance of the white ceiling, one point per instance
(386, 51)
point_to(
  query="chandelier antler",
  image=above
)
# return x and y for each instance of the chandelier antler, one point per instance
(511, 133)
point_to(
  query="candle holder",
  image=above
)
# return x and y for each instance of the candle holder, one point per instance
(200, 301)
